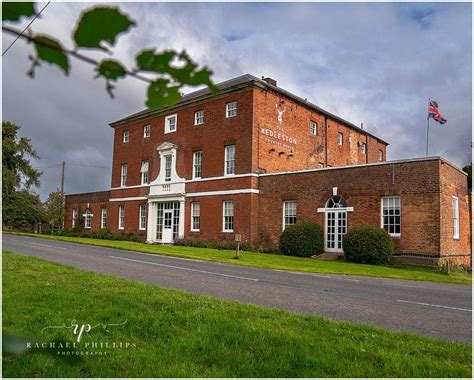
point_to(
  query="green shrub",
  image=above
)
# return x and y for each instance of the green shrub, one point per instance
(229, 244)
(368, 244)
(303, 239)
(103, 233)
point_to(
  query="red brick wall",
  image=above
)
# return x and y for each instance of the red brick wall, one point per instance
(210, 137)
(454, 183)
(276, 155)
(212, 217)
(95, 201)
(417, 184)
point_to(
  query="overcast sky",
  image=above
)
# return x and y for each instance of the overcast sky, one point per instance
(374, 63)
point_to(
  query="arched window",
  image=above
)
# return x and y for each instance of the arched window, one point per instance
(336, 202)
(88, 219)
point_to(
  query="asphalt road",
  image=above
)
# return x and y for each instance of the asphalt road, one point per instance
(431, 309)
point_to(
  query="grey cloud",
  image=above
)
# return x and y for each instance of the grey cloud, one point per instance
(373, 63)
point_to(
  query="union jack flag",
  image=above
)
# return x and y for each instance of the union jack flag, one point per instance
(434, 112)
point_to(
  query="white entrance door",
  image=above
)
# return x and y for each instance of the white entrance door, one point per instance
(336, 228)
(167, 227)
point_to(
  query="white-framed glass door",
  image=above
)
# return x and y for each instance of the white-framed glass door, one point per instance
(167, 226)
(336, 228)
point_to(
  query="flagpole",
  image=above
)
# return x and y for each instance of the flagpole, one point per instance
(428, 126)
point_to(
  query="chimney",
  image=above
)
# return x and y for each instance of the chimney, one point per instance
(361, 125)
(271, 81)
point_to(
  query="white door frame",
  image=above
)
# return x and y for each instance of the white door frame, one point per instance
(336, 212)
(167, 231)
(152, 214)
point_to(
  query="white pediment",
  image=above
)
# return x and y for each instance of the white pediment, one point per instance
(167, 146)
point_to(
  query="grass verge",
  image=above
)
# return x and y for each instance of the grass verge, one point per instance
(181, 335)
(281, 262)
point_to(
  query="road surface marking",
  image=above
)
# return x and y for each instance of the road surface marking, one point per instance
(43, 245)
(434, 305)
(188, 269)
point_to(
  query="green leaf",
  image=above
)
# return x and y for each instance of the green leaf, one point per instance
(178, 65)
(100, 24)
(161, 94)
(51, 51)
(15, 11)
(111, 69)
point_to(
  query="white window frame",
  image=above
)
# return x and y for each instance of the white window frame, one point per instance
(88, 219)
(121, 217)
(144, 173)
(142, 217)
(196, 165)
(231, 109)
(363, 148)
(340, 138)
(228, 162)
(313, 127)
(123, 175)
(195, 206)
(126, 136)
(146, 131)
(74, 217)
(388, 197)
(455, 203)
(224, 216)
(380, 155)
(168, 124)
(103, 217)
(285, 216)
(168, 169)
(199, 117)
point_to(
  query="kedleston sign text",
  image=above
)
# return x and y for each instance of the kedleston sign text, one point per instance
(277, 137)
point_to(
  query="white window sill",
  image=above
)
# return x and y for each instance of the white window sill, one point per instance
(166, 132)
(395, 235)
(229, 175)
(121, 228)
(230, 117)
(227, 231)
(195, 230)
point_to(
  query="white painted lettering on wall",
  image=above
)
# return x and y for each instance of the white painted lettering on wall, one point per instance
(278, 138)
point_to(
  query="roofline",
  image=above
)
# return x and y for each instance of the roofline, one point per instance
(394, 162)
(91, 192)
(252, 82)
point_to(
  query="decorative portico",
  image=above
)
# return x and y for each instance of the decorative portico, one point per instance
(166, 199)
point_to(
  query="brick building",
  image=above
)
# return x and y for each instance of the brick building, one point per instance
(254, 159)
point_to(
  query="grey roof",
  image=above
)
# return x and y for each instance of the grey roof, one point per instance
(231, 84)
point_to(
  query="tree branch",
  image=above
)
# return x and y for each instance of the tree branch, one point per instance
(84, 58)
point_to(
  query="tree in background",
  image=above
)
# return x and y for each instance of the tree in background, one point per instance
(17, 172)
(468, 170)
(54, 210)
(22, 209)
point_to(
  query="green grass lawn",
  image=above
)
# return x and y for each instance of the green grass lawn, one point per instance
(272, 261)
(181, 335)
